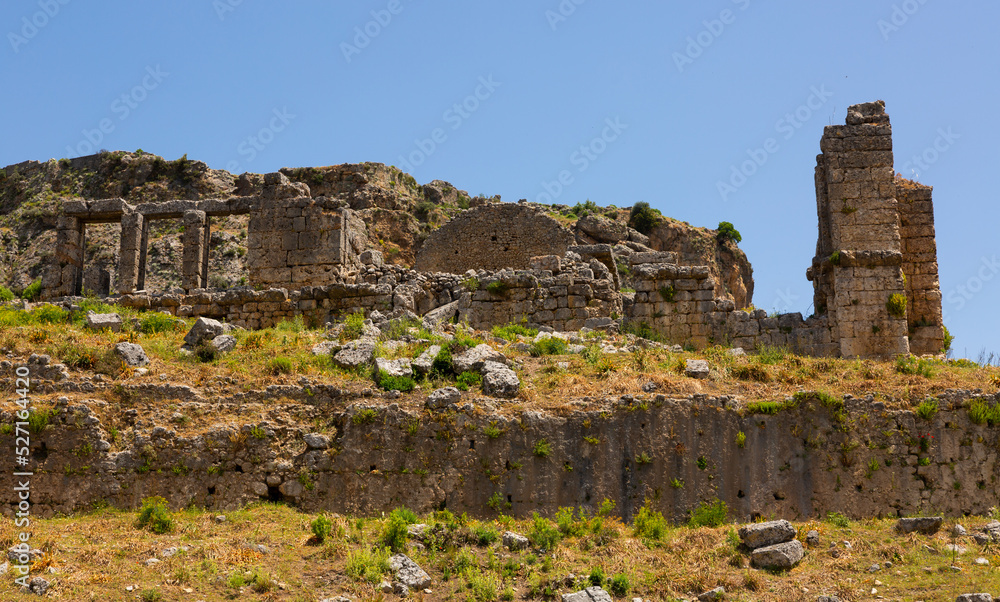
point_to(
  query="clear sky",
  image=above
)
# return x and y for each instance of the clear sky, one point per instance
(634, 101)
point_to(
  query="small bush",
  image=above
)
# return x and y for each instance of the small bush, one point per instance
(542, 448)
(510, 332)
(896, 305)
(485, 536)
(206, 352)
(838, 520)
(442, 365)
(726, 231)
(741, 439)
(667, 293)
(948, 340)
(769, 354)
(405, 514)
(981, 412)
(649, 524)
(33, 291)
(151, 595)
(353, 326)
(570, 523)
(156, 322)
(468, 379)
(543, 535)
(155, 514)
(619, 585)
(596, 577)
(364, 565)
(585, 208)
(320, 527)
(6, 294)
(908, 364)
(279, 365)
(643, 218)
(498, 288)
(39, 419)
(642, 330)
(549, 346)
(395, 533)
(927, 409)
(709, 514)
(394, 383)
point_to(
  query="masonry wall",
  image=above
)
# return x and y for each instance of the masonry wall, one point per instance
(493, 237)
(923, 291)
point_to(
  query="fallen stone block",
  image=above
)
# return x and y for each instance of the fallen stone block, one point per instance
(355, 355)
(224, 343)
(927, 525)
(112, 322)
(408, 572)
(591, 594)
(442, 398)
(759, 535)
(132, 354)
(696, 369)
(718, 593)
(475, 358)
(514, 541)
(398, 368)
(782, 556)
(204, 330)
(974, 598)
(499, 380)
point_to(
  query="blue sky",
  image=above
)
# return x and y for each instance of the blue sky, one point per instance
(622, 102)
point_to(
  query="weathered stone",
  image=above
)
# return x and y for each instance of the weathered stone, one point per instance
(718, 593)
(812, 538)
(132, 354)
(38, 586)
(408, 572)
(424, 363)
(974, 598)
(697, 368)
(928, 525)
(758, 535)
(780, 556)
(514, 541)
(499, 380)
(355, 354)
(474, 359)
(442, 398)
(204, 330)
(440, 315)
(224, 343)
(325, 348)
(828, 599)
(112, 322)
(591, 594)
(371, 257)
(316, 441)
(397, 368)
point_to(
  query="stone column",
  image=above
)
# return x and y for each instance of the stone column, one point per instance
(194, 249)
(65, 275)
(131, 253)
(143, 246)
(206, 247)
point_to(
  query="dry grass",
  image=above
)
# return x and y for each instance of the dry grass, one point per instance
(96, 556)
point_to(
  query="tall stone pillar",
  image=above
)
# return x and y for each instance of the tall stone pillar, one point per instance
(143, 247)
(64, 276)
(195, 249)
(131, 256)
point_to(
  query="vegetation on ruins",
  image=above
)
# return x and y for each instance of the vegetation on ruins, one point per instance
(726, 231)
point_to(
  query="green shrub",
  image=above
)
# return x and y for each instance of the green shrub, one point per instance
(279, 365)
(498, 288)
(642, 329)
(596, 577)
(394, 383)
(927, 409)
(548, 346)
(643, 218)
(155, 514)
(33, 291)
(156, 322)
(48, 314)
(468, 379)
(206, 352)
(896, 305)
(570, 524)
(543, 535)
(395, 533)
(981, 412)
(619, 585)
(320, 527)
(769, 354)
(353, 326)
(365, 565)
(510, 332)
(838, 520)
(726, 231)
(908, 364)
(948, 340)
(38, 419)
(769, 408)
(404, 514)
(151, 595)
(6, 294)
(709, 514)
(649, 524)
(442, 365)
(667, 293)
(471, 283)
(585, 208)
(741, 439)
(542, 448)
(485, 536)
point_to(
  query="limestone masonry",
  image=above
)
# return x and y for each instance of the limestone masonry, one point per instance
(874, 273)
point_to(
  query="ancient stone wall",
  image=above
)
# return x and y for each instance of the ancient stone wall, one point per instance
(493, 237)
(923, 291)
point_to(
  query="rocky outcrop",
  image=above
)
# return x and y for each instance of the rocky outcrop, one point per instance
(699, 246)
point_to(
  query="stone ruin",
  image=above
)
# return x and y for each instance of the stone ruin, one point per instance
(501, 262)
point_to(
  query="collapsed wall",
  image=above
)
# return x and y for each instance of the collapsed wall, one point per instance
(923, 291)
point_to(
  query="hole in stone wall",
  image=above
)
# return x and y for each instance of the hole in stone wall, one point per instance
(211, 491)
(441, 506)
(40, 453)
(507, 466)
(509, 499)
(238, 468)
(274, 494)
(472, 444)
(101, 248)
(371, 468)
(740, 494)
(164, 255)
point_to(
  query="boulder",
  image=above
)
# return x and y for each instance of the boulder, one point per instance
(474, 359)
(398, 368)
(371, 257)
(759, 535)
(408, 572)
(812, 538)
(993, 530)
(591, 594)
(424, 363)
(354, 355)
(551, 263)
(442, 398)
(204, 330)
(112, 322)
(718, 593)
(38, 586)
(594, 228)
(440, 315)
(325, 348)
(132, 354)
(514, 541)
(928, 525)
(974, 598)
(697, 368)
(782, 556)
(500, 381)
(828, 599)
(316, 441)
(224, 343)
